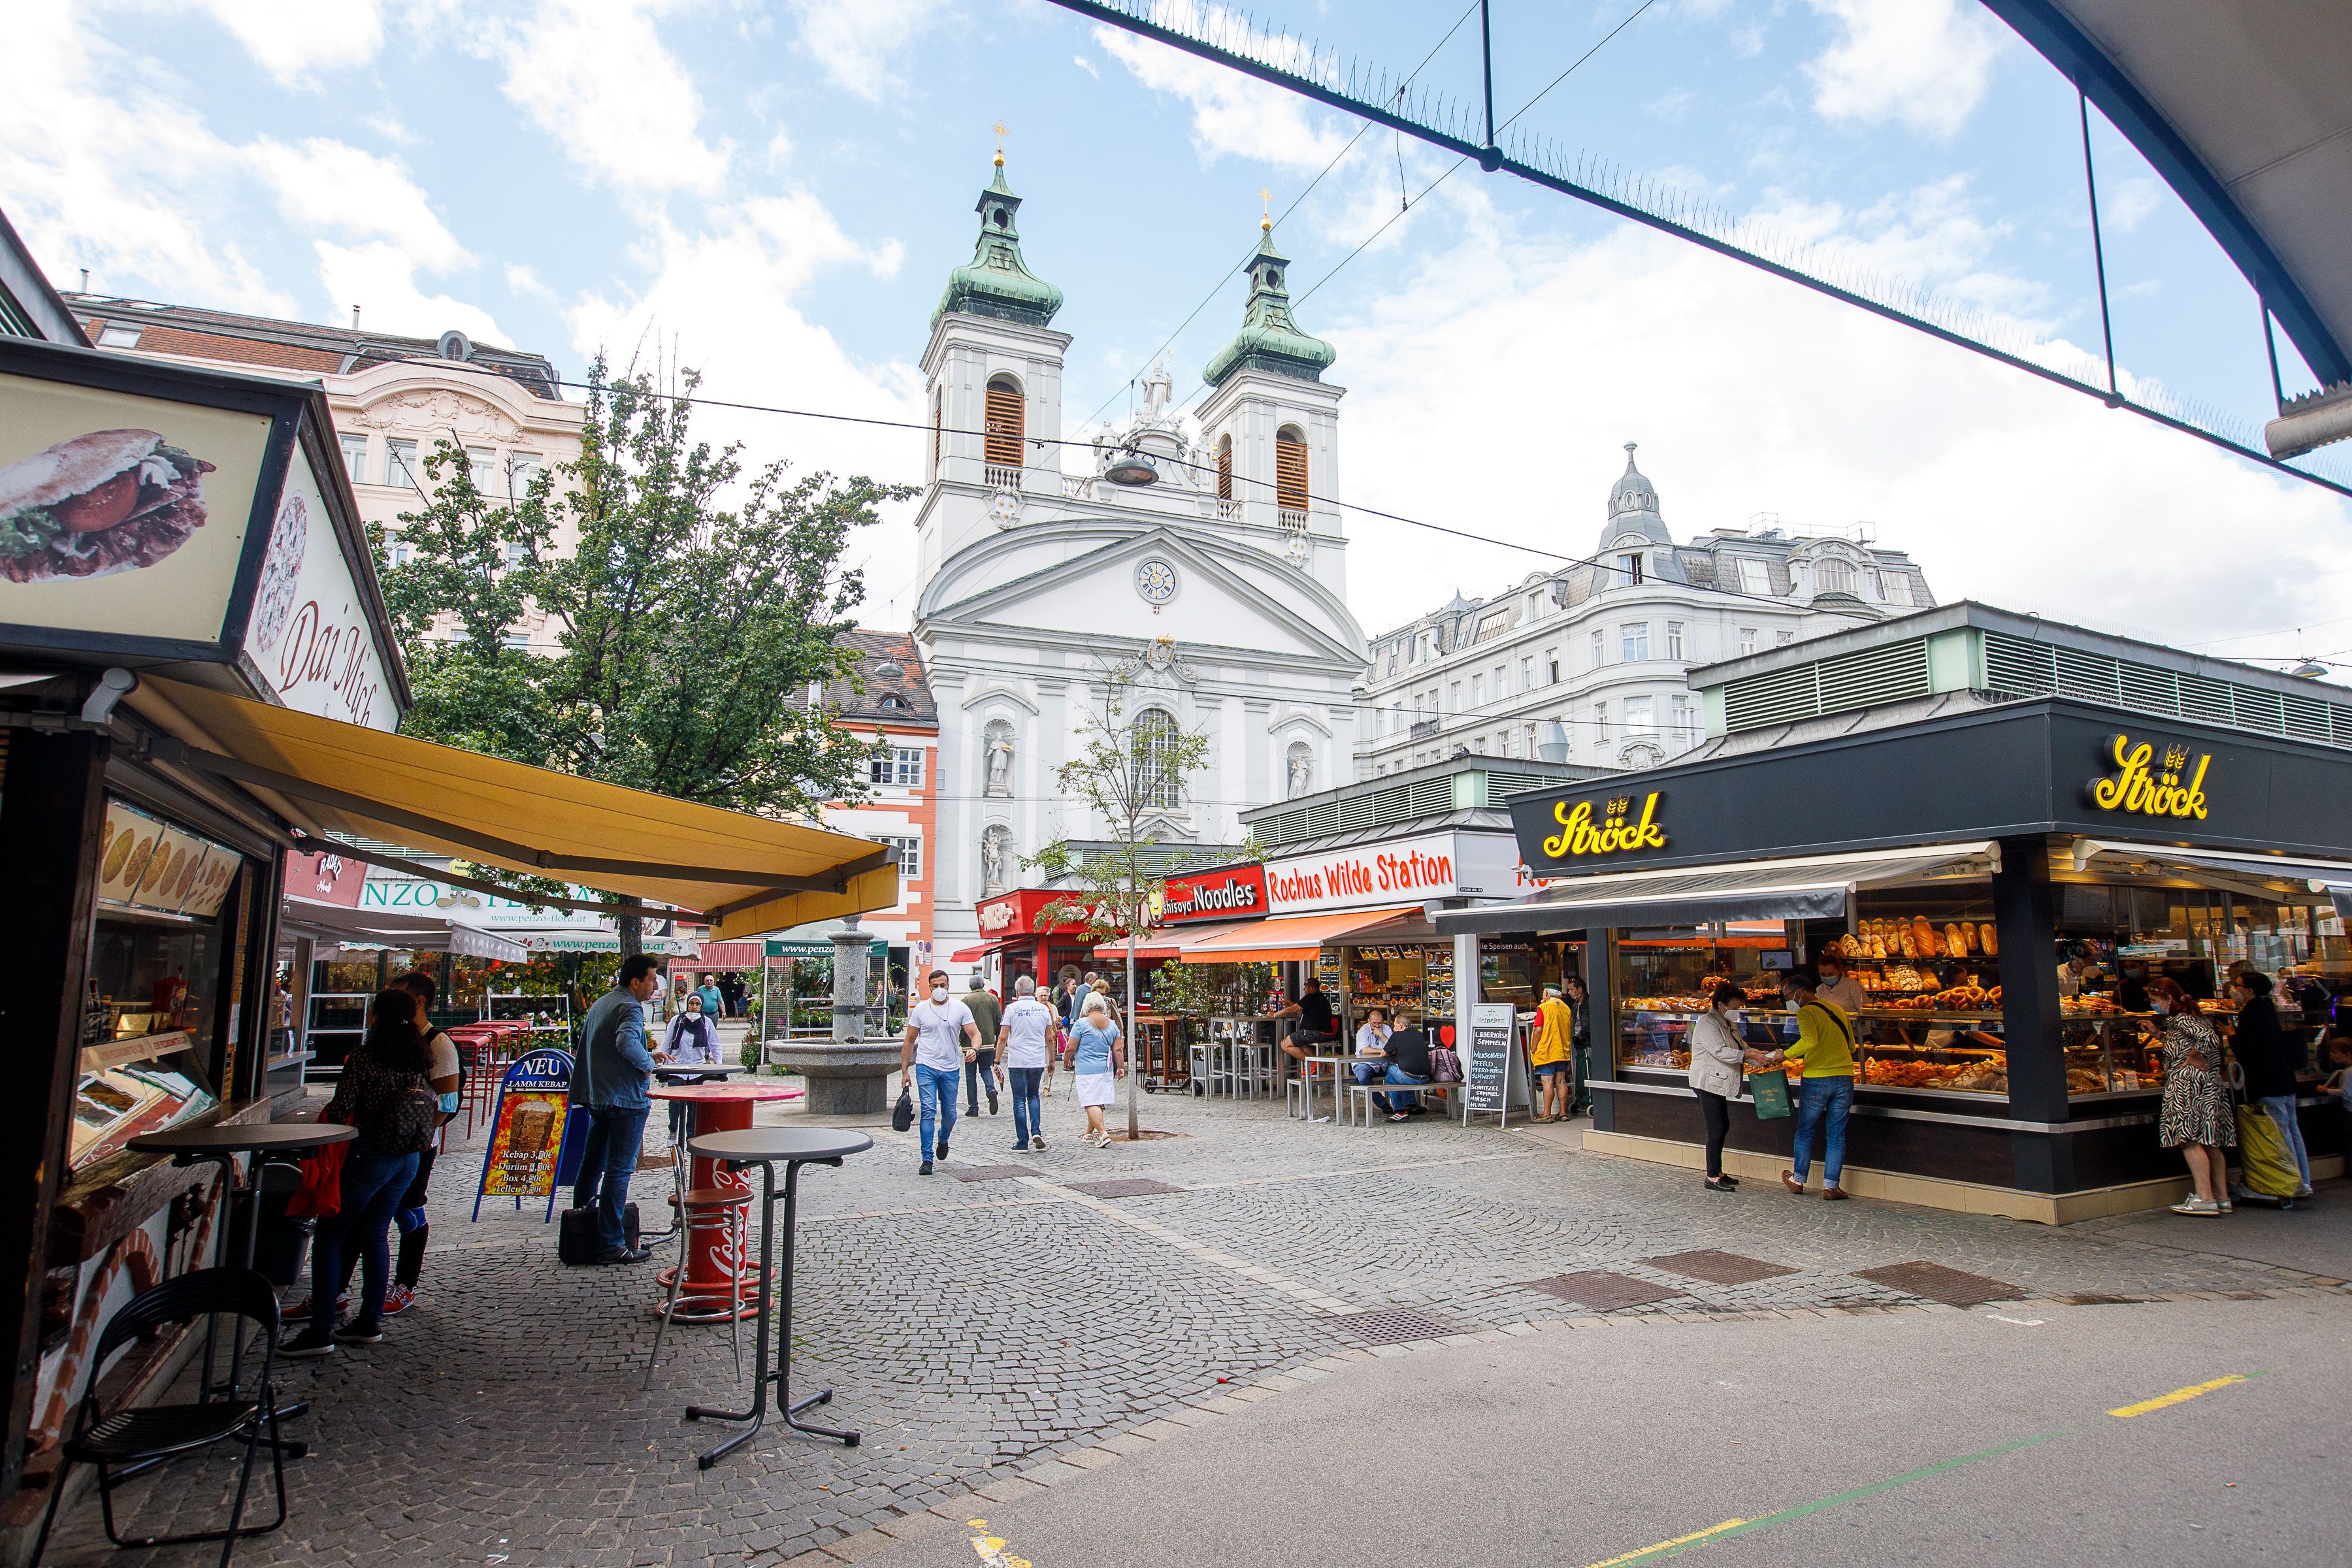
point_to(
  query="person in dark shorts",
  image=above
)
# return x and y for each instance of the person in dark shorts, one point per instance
(1315, 1026)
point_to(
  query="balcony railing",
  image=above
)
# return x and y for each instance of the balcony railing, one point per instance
(1228, 509)
(998, 477)
(1423, 729)
(1077, 487)
(1291, 517)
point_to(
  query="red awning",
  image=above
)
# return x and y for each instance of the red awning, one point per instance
(974, 954)
(732, 955)
(1286, 938)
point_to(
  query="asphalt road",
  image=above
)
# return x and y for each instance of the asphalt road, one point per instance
(1614, 1444)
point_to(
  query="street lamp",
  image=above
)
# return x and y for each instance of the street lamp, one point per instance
(1130, 467)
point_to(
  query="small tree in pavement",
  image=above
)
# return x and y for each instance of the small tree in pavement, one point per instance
(1135, 766)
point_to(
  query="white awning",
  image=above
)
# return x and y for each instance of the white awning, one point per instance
(2237, 872)
(1813, 887)
(388, 927)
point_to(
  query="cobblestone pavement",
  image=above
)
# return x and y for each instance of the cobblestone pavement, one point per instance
(973, 1329)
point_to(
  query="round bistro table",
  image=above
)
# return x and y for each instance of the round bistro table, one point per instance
(712, 1263)
(766, 1147)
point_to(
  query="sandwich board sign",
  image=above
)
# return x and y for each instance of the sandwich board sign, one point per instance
(1487, 1074)
(531, 1126)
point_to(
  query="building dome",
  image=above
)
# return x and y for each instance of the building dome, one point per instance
(996, 282)
(1633, 507)
(1269, 339)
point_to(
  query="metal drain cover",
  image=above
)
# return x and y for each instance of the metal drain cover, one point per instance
(1934, 1282)
(1396, 1326)
(1602, 1291)
(989, 1173)
(1123, 1187)
(1718, 1267)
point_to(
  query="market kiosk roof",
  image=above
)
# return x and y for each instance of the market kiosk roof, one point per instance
(1287, 938)
(1804, 887)
(389, 928)
(749, 874)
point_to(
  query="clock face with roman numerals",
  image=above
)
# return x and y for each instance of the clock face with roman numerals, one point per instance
(1156, 581)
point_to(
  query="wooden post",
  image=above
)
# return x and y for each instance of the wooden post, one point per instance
(50, 816)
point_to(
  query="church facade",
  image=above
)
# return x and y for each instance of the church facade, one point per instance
(1180, 572)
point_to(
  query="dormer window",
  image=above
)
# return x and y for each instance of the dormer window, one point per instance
(895, 703)
(1833, 577)
(1629, 569)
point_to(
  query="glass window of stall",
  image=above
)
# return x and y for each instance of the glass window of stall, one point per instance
(1662, 977)
(1928, 961)
(1415, 978)
(1516, 969)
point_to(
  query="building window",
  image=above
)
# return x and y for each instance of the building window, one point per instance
(1641, 716)
(1897, 586)
(1477, 690)
(1599, 648)
(1531, 740)
(1153, 747)
(1685, 733)
(1629, 569)
(481, 464)
(1833, 577)
(1224, 468)
(517, 553)
(400, 465)
(1747, 639)
(910, 855)
(1674, 639)
(1634, 640)
(522, 472)
(1551, 663)
(1002, 431)
(1601, 719)
(1753, 577)
(1290, 474)
(401, 552)
(900, 765)
(1782, 639)
(519, 642)
(939, 426)
(1478, 744)
(1527, 673)
(1453, 697)
(1535, 606)
(355, 458)
(111, 336)
(1392, 659)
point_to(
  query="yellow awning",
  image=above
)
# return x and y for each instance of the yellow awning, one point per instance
(748, 874)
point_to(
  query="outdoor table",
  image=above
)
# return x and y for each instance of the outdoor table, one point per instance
(222, 1142)
(713, 1261)
(764, 1146)
(1333, 1068)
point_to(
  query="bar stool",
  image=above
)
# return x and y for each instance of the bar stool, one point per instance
(725, 1212)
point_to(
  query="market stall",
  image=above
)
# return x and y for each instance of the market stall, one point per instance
(1953, 862)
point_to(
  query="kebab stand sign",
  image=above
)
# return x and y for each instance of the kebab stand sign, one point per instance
(529, 1122)
(184, 521)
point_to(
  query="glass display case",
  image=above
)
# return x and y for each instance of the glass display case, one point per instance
(146, 1022)
(1516, 970)
(1662, 983)
(1401, 977)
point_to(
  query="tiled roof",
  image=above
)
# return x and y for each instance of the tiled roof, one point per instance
(892, 699)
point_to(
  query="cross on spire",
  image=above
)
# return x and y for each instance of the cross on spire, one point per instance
(1266, 222)
(999, 128)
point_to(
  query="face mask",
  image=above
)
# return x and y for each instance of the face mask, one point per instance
(939, 993)
(1731, 1017)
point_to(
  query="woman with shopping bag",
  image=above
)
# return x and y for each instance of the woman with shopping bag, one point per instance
(1718, 1060)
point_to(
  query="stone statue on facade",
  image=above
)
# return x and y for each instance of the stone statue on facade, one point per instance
(998, 745)
(995, 862)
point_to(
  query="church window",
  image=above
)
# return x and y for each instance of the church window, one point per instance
(1833, 577)
(1153, 748)
(1224, 468)
(1004, 428)
(1290, 474)
(938, 433)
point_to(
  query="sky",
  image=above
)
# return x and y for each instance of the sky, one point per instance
(772, 195)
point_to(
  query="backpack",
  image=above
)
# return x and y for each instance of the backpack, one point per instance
(406, 1121)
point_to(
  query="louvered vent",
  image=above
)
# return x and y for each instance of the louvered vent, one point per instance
(1004, 426)
(1428, 798)
(1499, 784)
(2017, 667)
(1870, 678)
(1289, 474)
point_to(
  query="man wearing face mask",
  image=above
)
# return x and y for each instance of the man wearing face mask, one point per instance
(941, 1036)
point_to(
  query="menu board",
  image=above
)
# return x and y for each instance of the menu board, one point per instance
(1488, 1069)
(149, 864)
(527, 1128)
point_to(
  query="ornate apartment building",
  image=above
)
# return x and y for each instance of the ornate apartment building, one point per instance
(1588, 664)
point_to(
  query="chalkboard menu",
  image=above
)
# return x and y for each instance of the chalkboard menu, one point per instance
(1489, 1069)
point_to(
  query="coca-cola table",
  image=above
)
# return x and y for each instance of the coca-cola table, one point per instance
(712, 1262)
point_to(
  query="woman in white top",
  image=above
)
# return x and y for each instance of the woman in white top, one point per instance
(692, 1038)
(1719, 1057)
(1100, 1064)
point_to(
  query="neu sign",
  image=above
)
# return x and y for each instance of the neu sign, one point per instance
(998, 915)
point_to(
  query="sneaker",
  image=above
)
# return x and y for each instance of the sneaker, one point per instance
(308, 1343)
(2203, 1207)
(357, 1332)
(2303, 1191)
(398, 1299)
(1038, 1144)
(301, 1308)
(924, 1169)
(1399, 1116)
(627, 1254)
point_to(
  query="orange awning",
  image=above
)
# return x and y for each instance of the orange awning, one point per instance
(1287, 938)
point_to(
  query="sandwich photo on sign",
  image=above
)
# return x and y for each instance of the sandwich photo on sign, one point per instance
(108, 502)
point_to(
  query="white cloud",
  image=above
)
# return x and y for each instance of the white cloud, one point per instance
(523, 281)
(332, 186)
(1232, 115)
(2127, 204)
(1087, 66)
(2002, 487)
(1926, 63)
(382, 278)
(294, 40)
(595, 77)
(854, 40)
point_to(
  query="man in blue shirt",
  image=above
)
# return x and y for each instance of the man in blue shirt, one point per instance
(714, 1005)
(608, 1086)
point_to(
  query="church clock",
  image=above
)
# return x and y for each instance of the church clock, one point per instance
(1156, 581)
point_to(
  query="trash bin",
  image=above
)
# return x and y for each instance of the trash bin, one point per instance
(282, 1244)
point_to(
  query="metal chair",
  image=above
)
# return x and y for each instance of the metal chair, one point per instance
(142, 1434)
(726, 1210)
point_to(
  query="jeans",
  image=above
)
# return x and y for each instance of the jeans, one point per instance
(1717, 1111)
(1028, 1116)
(979, 1075)
(372, 1189)
(606, 1163)
(1817, 1098)
(1369, 1072)
(936, 1087)
(409, 1216)
(1399, 1102)
(2281, 1110)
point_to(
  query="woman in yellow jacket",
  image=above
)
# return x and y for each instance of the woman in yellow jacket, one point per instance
(1552, 1055)
(1825, 1045)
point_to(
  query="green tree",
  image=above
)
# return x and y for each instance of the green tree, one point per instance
(1133, 767)
(686, 620)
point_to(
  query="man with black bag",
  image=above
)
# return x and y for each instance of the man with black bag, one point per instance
(608, 1088)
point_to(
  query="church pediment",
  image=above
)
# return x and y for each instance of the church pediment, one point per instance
(1121, 582)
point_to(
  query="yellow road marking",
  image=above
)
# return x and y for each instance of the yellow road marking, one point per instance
(1677, 1540)
(991, 1548)
(2177, 1396)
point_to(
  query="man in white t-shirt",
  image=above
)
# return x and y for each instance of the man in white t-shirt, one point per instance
(941, 1037)
(1024, 1044)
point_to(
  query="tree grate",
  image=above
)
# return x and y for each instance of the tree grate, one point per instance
(1602, 1291)
(1396, 1326)
(1934, 1282)
(1122, 1187)
(989, 1173)
(1718, 1267)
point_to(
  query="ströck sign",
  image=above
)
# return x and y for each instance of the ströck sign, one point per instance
(2146, 787)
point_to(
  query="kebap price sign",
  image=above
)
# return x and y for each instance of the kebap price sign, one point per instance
(527, 1128)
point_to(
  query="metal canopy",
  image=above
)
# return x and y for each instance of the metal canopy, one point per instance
(1811, 888)
(2244, 106)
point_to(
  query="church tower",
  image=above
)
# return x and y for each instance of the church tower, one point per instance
(1271, 425)
(992, 390)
